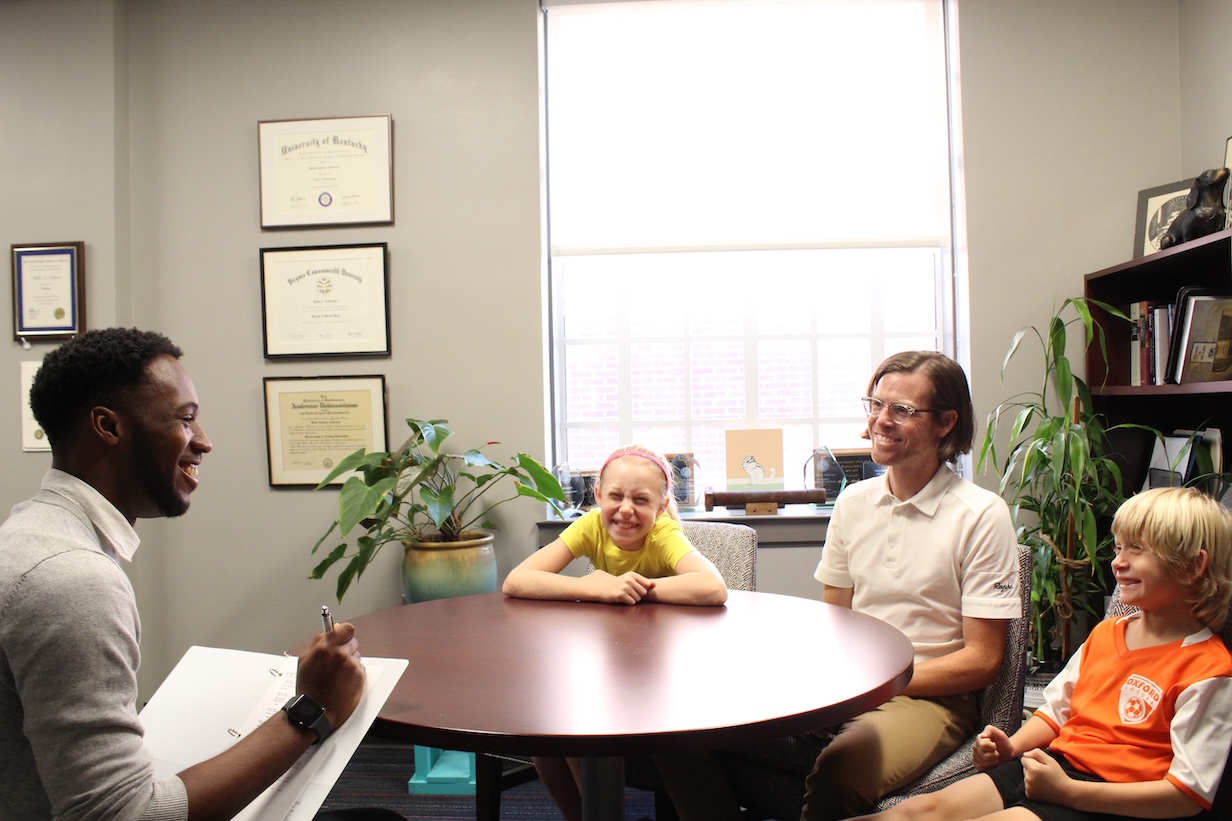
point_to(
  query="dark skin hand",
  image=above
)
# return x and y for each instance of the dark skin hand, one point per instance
(331, 673)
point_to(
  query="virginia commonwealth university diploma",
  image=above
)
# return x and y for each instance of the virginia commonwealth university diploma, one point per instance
(328, 300)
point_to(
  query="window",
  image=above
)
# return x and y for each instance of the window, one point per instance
(748, 208)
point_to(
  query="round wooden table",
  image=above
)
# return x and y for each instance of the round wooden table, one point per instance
(493, 674)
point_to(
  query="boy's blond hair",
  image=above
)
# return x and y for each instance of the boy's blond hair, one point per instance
(1175, 523)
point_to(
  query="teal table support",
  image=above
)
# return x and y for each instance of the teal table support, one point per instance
(442, 570)
(442, 772)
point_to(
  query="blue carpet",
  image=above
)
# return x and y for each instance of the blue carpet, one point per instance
(377, 776)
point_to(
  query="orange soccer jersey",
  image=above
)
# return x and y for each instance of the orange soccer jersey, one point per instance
(1141, 715)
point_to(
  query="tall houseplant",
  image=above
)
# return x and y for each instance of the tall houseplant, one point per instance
(422, 493)
(1059, 478)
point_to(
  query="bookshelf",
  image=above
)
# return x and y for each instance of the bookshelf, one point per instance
(1206, 262)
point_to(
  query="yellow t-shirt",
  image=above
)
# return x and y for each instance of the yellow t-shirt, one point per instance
(587, 537)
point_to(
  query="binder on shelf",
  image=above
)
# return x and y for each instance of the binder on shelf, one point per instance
(1172, 463)
(1208, 449)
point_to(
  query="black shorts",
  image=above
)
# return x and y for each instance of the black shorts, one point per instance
(1009, 781)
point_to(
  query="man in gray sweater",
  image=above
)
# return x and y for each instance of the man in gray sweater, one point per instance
(121, 415)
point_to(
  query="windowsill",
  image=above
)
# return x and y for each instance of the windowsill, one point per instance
(794, 525)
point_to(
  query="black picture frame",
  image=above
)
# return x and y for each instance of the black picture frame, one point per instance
(325, 301)
(1157, 208)
(312, 422)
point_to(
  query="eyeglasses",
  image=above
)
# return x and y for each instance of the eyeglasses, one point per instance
(899, 414)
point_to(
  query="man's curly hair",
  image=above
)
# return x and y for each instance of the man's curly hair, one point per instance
(94, 368)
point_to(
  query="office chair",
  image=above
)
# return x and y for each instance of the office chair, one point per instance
(733, 550)
(1000, 702)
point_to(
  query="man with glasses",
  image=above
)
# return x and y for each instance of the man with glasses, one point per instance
(922, 549)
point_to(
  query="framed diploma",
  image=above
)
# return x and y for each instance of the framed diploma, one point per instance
(312, 422)
(326, 172)
(49, 290)
(329, 300)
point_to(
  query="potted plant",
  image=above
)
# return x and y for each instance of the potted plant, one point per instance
(1060, 480)
(433, 502)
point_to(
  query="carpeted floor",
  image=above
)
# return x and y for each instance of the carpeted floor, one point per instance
(377, 776)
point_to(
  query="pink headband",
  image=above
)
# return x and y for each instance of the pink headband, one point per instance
(658, 462)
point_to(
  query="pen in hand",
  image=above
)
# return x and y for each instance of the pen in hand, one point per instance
(327, 620)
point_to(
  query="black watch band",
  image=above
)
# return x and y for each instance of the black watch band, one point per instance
(305, 712)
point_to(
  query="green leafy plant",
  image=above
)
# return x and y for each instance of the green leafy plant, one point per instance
(422, 493)
(1059, 478)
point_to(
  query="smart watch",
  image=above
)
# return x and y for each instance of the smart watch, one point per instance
(306, 713)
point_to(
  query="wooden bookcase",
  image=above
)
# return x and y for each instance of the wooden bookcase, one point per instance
(1206, 262)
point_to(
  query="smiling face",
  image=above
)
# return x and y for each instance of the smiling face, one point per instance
(166, 442)
(1145, 579)
(632, 492)
(913, 445)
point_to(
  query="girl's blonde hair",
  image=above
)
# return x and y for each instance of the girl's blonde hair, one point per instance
(669, 484)
(1175, 523)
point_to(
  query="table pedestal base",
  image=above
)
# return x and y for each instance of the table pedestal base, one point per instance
(603, 789)
(442, 772)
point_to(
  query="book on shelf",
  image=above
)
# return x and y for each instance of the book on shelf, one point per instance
(1135, 345)
(1161, 340)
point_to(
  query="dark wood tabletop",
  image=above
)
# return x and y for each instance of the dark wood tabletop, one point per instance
(493, 674)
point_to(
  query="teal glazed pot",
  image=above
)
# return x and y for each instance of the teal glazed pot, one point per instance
(441, 570)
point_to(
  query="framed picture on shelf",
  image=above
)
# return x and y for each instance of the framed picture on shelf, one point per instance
(1205, 338)
(49, 290)
(326, 300)
(1157, 208)
(326, 172)
(1227, 163)
(311, 422)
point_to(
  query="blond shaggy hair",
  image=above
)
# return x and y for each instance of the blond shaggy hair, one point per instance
(1175, 523)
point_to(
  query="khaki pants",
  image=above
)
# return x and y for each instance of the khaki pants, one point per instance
(883, 750)
(870, 756)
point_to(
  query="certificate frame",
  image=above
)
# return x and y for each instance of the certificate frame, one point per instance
(325, 301)
(49, 290)
(311, 422)
(1157, 208)
(332, 171)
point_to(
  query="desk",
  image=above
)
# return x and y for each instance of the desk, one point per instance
(492, 674)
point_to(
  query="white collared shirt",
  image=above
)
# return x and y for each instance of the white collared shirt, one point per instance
(924, 563)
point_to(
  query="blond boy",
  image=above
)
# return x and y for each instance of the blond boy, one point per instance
(1139, 723)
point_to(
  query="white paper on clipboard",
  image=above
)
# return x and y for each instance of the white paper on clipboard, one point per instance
(214, 697)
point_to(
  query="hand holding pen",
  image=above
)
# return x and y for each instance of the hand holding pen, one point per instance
(331, 671)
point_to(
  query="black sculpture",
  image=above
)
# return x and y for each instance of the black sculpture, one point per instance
(1204, 210)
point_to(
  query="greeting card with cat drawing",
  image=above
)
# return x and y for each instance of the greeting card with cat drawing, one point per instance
(755, 459)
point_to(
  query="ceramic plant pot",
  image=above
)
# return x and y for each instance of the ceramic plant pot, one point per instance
(439, 570)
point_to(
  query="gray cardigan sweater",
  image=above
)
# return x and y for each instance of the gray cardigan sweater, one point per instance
(69, 652)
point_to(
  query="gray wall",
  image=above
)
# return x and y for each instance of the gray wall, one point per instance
(133, 127)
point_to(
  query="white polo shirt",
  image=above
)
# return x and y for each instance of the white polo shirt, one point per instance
(925, 563)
